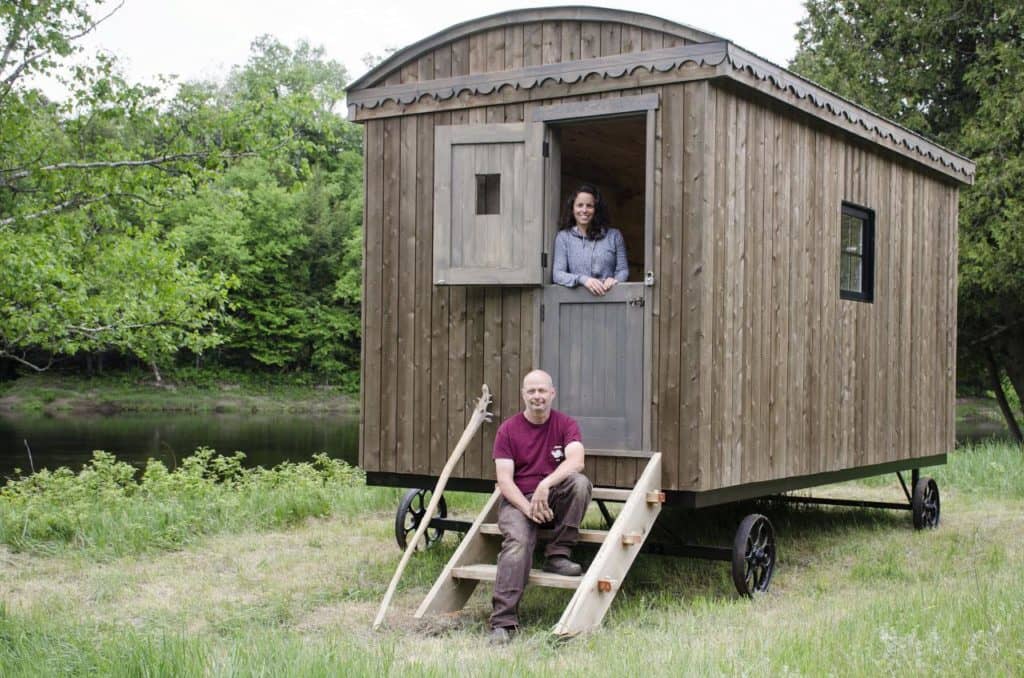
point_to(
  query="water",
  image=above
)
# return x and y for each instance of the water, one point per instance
(266, 440)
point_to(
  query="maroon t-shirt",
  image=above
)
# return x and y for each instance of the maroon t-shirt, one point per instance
(537, 450)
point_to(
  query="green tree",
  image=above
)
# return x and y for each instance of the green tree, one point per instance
(284, 227)
(84, 266)
(952, 70)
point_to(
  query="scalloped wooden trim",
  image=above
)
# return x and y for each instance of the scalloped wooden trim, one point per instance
(726, 59)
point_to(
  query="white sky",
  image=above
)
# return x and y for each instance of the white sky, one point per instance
(203, 39)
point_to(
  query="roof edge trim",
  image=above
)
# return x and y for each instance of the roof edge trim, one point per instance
(739, 65)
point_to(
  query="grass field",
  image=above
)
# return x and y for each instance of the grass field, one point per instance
(290, 587)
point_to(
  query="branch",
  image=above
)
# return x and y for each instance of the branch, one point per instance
(987, 338)
(18, 359)
(92, 27)
(93, 331)
(21, 173)
(78, 201)
(9, 81)
(12, 38)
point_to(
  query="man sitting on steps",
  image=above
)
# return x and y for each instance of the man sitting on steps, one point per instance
(538, 459)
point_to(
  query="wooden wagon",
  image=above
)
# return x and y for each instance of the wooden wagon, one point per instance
(790, 314)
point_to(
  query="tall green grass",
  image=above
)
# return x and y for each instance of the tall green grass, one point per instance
(107, 509)
(856, 593)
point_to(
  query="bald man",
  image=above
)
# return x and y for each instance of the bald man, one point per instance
(538, 459)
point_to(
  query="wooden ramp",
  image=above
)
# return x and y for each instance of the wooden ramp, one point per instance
(473, 561)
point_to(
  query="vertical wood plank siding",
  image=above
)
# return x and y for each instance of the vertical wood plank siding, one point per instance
(426, 349)
(759, 370)
(793, 380)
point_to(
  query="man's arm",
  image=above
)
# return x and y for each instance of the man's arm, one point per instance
(574, 463)
(504, 470)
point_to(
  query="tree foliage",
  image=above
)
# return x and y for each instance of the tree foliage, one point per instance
(284, 225)
(222, 221)
(952, 70)
(83, 264)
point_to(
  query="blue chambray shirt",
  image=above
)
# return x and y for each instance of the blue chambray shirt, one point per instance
(577, 258)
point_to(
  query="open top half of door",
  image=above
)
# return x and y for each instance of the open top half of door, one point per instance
(488, 204)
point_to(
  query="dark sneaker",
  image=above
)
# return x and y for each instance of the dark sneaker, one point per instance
(500, 635)
(564, 566)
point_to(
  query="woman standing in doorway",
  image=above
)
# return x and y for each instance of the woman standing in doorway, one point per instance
(588, 251)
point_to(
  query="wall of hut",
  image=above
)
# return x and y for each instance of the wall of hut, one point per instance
(427, 349)
(775, 375)
(760, 370)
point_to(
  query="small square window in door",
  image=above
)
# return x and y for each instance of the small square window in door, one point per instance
(488, 194)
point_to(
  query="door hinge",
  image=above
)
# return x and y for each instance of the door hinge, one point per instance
(546, 150)
(543, 259)
(542, 312)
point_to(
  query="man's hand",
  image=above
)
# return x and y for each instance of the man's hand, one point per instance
(540, 512)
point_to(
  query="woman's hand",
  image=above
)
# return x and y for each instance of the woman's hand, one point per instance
(610, 283)
(594, 286)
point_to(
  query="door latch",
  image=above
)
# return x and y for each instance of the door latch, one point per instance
(636, 301)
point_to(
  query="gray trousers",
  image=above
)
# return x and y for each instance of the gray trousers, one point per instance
(568, 501)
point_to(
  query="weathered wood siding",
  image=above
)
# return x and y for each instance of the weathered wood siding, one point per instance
(427, 349)
(759, 370)
(534, 44)
(763, 372)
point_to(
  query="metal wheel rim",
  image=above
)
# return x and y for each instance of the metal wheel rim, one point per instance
(411, 510)
(927, 504)
(758, 556)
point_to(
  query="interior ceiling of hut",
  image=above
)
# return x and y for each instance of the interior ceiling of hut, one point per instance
(610, 153)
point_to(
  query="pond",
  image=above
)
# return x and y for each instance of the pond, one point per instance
(266, 440)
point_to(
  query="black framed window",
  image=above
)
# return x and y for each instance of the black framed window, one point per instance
(857, 253)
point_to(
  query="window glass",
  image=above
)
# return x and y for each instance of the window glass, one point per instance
(856, 254)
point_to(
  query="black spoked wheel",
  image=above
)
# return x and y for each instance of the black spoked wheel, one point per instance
(753, 555)
(925, 504)
(410, 512)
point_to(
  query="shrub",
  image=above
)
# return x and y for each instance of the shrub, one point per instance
(112, 509)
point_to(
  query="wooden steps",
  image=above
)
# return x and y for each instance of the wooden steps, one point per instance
(473, 560)
(586, 536)
(481, 572)
(610, 494)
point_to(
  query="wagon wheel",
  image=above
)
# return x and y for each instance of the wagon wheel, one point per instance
(410, 513)
(925, 504)
(753, 555)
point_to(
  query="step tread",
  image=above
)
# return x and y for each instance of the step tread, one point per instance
(610, 494)
(485, 572)
(586, 535)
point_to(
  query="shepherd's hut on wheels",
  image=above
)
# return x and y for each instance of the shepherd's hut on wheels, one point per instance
(790, 314)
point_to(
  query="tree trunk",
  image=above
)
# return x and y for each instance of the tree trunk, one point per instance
(156, 372)
(1004, 405)
(1015, 364)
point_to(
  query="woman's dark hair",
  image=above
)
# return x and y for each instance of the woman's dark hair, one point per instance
(601, 219)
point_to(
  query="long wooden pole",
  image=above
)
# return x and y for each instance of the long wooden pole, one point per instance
(480, 415)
